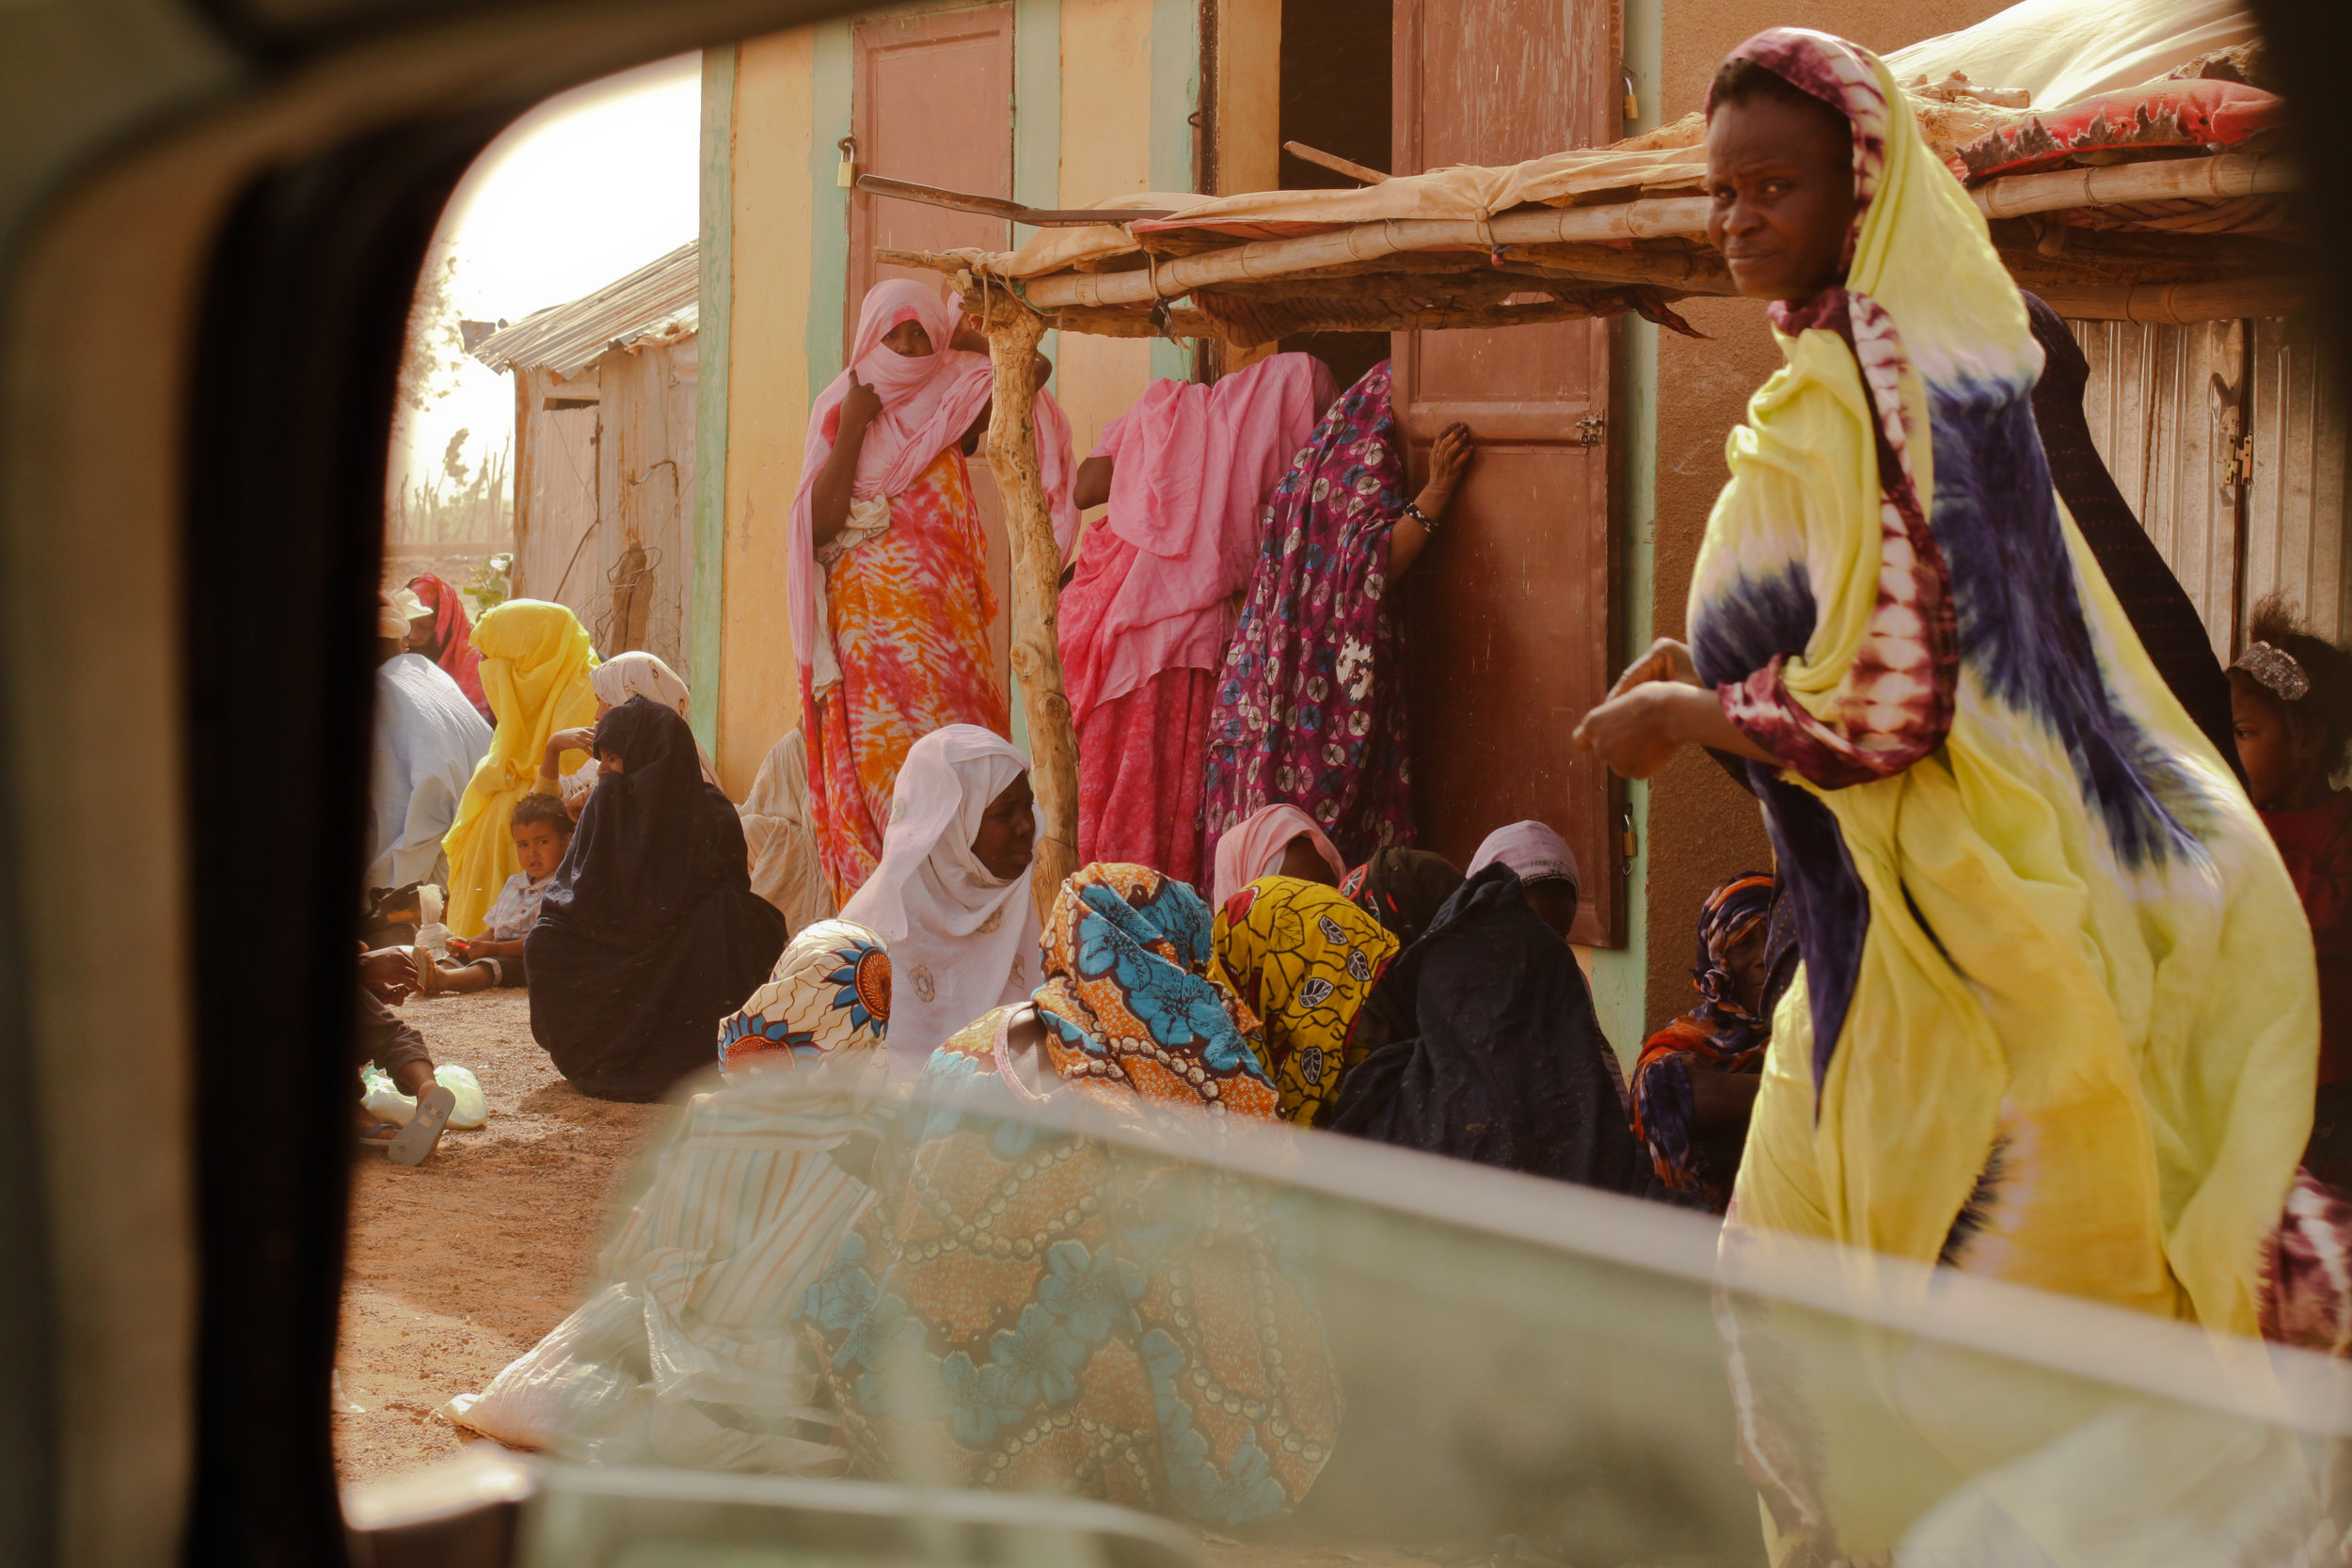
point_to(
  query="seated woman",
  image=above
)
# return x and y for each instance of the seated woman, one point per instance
(1028, 1309)
(651, 933)
(1547, 868)
(1144, 624)
(1309, 703)
(777, 830)
(1275, 841)
(614, 682)
(951, 895)
(1403, 889)
(1695, 1084)
(750, 1195)
(535, 662)
(1303, 958)
(1478, 1042)
(443, 635)
(891, 599)
(543, 831)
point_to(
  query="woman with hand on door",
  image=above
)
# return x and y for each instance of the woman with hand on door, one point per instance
(1309, 708)
(890, 592)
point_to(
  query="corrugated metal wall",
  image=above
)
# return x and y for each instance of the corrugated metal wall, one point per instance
(605, 522)
(2167, 406)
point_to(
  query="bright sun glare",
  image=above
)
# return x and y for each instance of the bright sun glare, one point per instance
(587, 187)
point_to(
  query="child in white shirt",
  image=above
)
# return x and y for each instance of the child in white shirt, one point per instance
(543, 830)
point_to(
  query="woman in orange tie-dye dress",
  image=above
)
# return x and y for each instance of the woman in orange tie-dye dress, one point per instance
(891, 601)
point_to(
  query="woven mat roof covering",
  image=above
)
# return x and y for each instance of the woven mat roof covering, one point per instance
(2168, 184)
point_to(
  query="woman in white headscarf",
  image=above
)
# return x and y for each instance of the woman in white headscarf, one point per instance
(616, 680)
(951, 895)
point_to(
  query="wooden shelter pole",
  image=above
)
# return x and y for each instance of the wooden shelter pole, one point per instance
(1012, 457)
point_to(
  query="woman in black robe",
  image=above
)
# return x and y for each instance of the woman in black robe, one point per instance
(1484, 1046)
(650, 933)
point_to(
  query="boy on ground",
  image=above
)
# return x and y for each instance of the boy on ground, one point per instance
(543, 830)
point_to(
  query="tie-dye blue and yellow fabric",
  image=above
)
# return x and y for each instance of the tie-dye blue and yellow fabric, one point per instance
(2058, 1017)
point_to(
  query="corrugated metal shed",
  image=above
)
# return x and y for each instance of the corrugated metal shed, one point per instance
(2228, 439)
(657, 303)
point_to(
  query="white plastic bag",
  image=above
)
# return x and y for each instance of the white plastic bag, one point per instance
(387, 1103)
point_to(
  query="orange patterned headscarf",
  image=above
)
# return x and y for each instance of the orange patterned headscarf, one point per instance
(1128, 1000)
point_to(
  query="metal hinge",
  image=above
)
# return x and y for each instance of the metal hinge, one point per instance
(1588, 430)
(2237, 468)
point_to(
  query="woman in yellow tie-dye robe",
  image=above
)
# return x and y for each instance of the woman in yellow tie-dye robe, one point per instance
(2057, 1023)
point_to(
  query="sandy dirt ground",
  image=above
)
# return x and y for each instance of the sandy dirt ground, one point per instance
(462, 1263)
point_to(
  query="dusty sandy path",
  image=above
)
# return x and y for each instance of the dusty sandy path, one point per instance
(462, 1263)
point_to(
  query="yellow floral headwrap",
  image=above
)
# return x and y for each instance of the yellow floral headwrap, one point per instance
(1303, 958)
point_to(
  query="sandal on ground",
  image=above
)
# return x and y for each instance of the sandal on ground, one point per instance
(423, 1135)
(379, 1134)
(428, 971)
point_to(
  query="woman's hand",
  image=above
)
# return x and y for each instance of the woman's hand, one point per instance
(1637, 733)
(1666, 660)
(861, 405)
(582, 739)
(1656, 707)
(1450, 458)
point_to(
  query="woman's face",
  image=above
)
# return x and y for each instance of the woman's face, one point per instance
(603, 707)
(425, 637)
(909, 338)
(1780, 180)
(1008, 837)
(608, 762)
(1300, 860)
(1555, 900)
(2281, 768)
(1745, 964)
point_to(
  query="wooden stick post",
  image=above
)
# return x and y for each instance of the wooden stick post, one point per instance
(1013, 339)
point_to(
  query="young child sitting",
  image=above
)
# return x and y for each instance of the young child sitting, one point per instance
(543, 830)
(2290, 706)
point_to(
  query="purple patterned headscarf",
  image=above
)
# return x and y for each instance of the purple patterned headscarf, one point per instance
(1311, 704)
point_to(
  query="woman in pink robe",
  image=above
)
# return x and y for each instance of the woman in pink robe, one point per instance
(1144, 624)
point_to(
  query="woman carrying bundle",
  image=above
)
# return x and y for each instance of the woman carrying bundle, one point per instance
(891, 600)
(1145, 622)
(650, 933)
(1309, 705)
(535, 666)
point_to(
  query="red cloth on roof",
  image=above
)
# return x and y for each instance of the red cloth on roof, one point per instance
(2192, 112)
(458, 656)
(2318, 846)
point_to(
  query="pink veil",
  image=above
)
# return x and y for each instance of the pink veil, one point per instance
(926, 403)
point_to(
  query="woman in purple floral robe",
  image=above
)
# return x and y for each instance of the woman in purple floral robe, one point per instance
(1311, 704)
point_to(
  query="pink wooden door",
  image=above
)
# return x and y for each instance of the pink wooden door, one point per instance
(933, 103)
(1510, 608)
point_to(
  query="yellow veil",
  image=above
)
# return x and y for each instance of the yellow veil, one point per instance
(536, 661)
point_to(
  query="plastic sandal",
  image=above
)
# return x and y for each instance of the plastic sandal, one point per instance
(379, 1134)
(423, 1135)
(428, 971)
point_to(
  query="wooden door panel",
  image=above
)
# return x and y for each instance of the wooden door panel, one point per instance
(1510, 610)
(933, 104)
